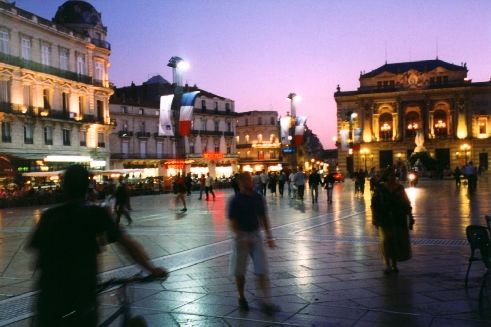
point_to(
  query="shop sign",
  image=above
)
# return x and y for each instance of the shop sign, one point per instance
(289, 150)
(209, 155)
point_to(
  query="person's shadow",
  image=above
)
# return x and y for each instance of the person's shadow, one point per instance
(180, 215)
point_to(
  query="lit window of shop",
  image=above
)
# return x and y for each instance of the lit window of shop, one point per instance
(247, 138)
(48, 135)
(259, 137)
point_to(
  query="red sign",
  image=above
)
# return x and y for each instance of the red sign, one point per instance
(209, 155)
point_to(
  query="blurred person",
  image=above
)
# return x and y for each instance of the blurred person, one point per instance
(247, 213)
(299, 181)
(264, 182)
(202, 182)
(292, 188)
(256, 181)
(180, 190)
(209, 186)
(392, 215)
(273, 180)
(122, 200)
(282, 178)
(67, 241)
(314, 182)
(189, 183)
(328, 183)
(456, 175)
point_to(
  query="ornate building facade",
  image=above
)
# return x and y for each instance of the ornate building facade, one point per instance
(258, 144)
(377, 123)
(54, 89)
(136, 143)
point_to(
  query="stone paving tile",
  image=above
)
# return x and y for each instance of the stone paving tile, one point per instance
(390, 319)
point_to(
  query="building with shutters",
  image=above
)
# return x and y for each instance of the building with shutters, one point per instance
(54, 89)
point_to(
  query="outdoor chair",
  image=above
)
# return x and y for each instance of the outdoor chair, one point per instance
(478, 238)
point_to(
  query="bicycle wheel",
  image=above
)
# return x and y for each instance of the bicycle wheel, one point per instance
(136, 321)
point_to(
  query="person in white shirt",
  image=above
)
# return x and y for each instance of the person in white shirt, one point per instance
(209, 186)
(292, 189)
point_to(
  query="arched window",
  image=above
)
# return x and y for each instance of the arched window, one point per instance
(413, 123)
(440, 123)
(385, 129)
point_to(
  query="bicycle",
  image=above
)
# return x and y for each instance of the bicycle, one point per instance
(124, 307)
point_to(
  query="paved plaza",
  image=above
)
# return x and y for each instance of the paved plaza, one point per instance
(325, 271)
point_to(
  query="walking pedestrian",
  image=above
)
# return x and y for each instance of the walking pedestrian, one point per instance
(202, 181)
(264, 182)
(281, 182)
(209, 187)
(273, 180)
(189, 183)
(292, 188)
(180, 190)
(299, 180)
(66, 244)
(314, 181)
(122, 201)
(392, 215)
(456, 175)
(247, 213)
(328, 183)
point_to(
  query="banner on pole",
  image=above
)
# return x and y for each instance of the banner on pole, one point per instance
(186, 112)
(165, 122)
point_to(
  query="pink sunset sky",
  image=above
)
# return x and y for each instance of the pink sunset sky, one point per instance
(256, 52)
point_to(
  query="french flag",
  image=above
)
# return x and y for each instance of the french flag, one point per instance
(300, 129)
(186, 112)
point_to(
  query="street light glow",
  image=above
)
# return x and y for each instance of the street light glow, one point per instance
(183, 65)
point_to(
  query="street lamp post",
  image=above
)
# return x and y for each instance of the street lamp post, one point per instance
(294, 98)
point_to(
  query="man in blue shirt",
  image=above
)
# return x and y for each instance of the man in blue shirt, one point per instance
(247, 213)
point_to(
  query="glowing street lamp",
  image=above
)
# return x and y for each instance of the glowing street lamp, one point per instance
(178, 66)
(364, 153)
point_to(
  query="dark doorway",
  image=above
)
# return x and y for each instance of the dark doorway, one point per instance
(349, 165)
(483, 161)
(386, 159)
(443, 158)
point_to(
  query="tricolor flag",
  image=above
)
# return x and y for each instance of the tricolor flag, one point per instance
(186, 112)
(165, 122)
(299, 129)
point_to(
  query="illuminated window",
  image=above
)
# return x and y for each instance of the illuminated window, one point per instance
(385, 123)
(482, 123)
(259, 137)
(247, 138)
(413, 123)
(440, 123)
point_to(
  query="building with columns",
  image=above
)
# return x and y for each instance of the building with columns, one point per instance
(378, 122)
(136, 143)
(258, 144)
(54, 89)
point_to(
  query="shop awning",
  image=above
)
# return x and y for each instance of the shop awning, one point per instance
(43, 173)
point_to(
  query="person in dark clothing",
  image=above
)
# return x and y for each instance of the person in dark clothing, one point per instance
(273, 180)
(189, 183)
(247, 214)
(122, 201)
(66, 240)
(360, 182)
(314, 182)
(180, 190)
(282, 178)
(328, 183)
(392, 215)
(456, 175)
(235, 183)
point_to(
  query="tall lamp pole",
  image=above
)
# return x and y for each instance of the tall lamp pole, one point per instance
(294, 98)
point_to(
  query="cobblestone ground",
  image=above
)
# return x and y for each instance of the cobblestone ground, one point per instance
(325, 271)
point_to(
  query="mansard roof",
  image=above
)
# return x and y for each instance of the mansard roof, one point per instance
(421, 66)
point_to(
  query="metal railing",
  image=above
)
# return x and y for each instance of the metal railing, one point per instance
(142, 156)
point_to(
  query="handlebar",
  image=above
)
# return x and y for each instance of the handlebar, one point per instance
(135, 279)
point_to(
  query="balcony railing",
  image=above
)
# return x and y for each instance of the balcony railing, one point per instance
(101, 43)
(143, 156)
(143, 134)
(195, 132)
(6, 139)
(125, 134)
(32, 65)
(214, 112)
